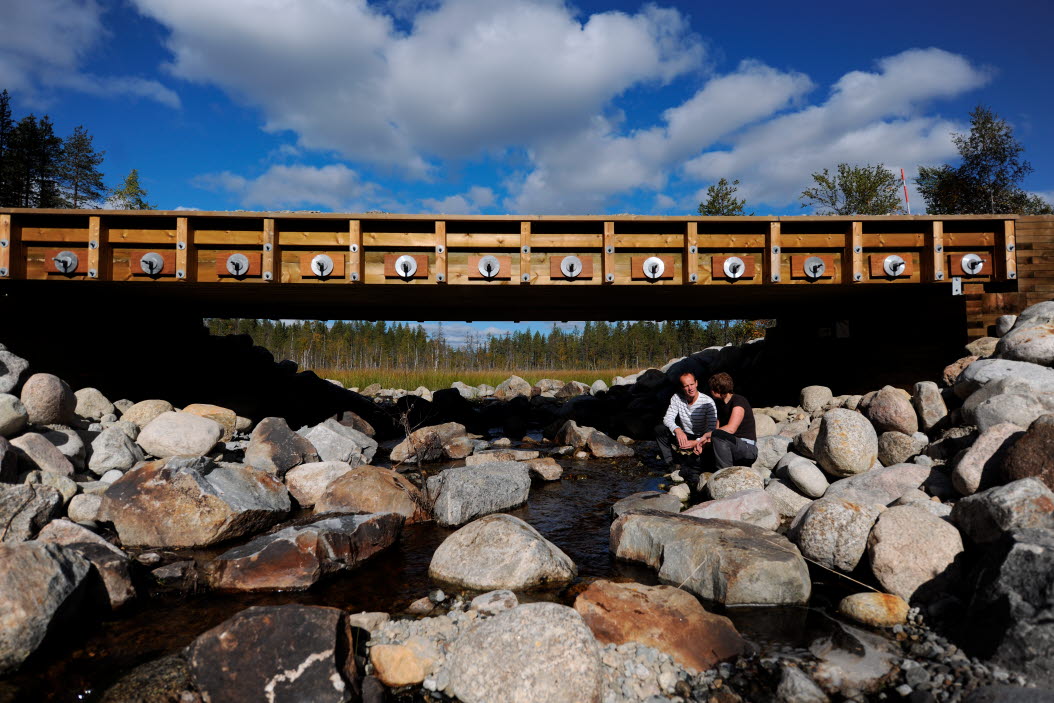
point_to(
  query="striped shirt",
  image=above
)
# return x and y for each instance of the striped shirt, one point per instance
(696, 419)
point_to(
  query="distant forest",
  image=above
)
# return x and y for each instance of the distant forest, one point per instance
(359, 344)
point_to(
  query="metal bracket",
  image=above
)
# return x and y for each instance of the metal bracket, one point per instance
(957, 285)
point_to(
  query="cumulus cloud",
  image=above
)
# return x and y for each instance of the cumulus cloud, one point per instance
(45, 43)
(475, 199)
(334, 187)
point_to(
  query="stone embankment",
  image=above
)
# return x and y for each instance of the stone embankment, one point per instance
(937, 498)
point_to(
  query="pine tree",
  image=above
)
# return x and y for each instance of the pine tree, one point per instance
(7, 126)
(131, 195)
(82, 180)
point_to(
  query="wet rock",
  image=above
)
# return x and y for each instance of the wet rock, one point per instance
(275, 448)
(803, 474)
(373, 489)
(427, 443)
(113, 449)
(912, 552)
(404, 664)
(985, 516)
(25, 509)
(500, 455)
(92, 404)
(663, 617)
(12, 367)
(875, 609)
(461, 494)
(36, 453)
(335, 442)
(110, 562)
(1032, 337)
(546, 468)
(788, 501)
(48, 400)
(897, 447)
(161, 681)
(1031, 454)
(846, 443)
(571, 435)
(307, 482)
(796, 687)
(732, 480)
(39, 583)
(296, 557)
(814, 398)
(980, 466)
(559, 662)
(929, 405)
(881, 486)
(852, 661)
(184, 502)
(13, 415)
(833, 532)
(728, 562)
(282, 653)
(500, 552)
(179, 434)
(494, 602)
(512, 387)
(755, 507)
(890, 410)
(603, 447)
(654, 500)
(224, 417)
(146, 410)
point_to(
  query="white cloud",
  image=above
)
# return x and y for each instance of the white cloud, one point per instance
(45, 42)
(334, 187)
(471, 202)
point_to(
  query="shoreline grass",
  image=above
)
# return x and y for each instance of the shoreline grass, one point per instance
(411, 379)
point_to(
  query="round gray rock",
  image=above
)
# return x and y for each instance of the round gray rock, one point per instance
(179, 434)
(833, 532)
(92, 404)
(803, 474)
(813, 398)
(734, 479)
(897, 447)
(11, 369)
(1032, 336)
(48, 400)
(846, 443)
(13, 415)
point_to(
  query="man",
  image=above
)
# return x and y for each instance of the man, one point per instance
(691, 415)
(734, 442)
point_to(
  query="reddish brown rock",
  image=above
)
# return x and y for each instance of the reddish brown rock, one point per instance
(350, 419)
(275, 448)
(1031, 454)
(427, 443)
(663, 617)
(296, 557)
(373, 489)
(48, 400)
(890, 410)
(952, 371)
(110, 562)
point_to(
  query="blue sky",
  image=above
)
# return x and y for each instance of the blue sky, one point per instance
(521, 106)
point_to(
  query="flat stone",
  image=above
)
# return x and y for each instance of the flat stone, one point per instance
(459, 495)
(48, 400)
(983, 347)
(145, 410)
(846, 443)
(499, 455)
(494, 602)
(558, 663)
(35, 452)
(653, 500)
(179, 434)
(984, 517)
(913, 552)
(308, 482)
(663, 617)
(981, 465)
(833, 532)
(373, 489)
(755, 507)
(92, 404)
(851, 662)
(224, 417)
(296, 557)
(69, 443)
(500, 552)
(803, 474)
(732, 480)
(881, 486)
(25, 509)
(875, 609)
(732, 563)
(1031, 453)
(275, 448)
(13, 415)
(981, 373)
(284, 654)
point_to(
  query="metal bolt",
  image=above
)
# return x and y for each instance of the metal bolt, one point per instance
(1010, 274)
(525, 249)
(93, 273)
(3, 271)
(857, 249)
(938, 248)
(857, 276)
(181, 273)
(93, 244)
(940, 275)
(267, 275)
(775, 250)
(693, 277)
(693, 249)
(1009, 247)
(440, 277)
(609, 250)
(526, 277)
(440, 249)
(355, 275)
(776, 277)
(610, 277)
(3, 243)
(181, 245)
(268, 246)
(354, 248)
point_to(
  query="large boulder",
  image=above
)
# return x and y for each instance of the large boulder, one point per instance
(179, 434)
(833, 532)
(571, 435)
(981, 466)
(881, 486)
(427, 443)
(307, 482)
(512, 387)
(1031, 454)
(770, 450)
(112, 565)
(224, 417)
(336, 442)
(48, 400)
(984, 517)
(890, 410)
(113, 449)
(500, 552)
(663, 617)
(296, 557)
(462, 494)
(373, 489)
(732, 480)
(756, 507)
(732, 563)
(572, 389)
(913, 552)
(12, 367)
(13, 415)
(534, 652)
(275, 448)
(186, 502)
(985, 371)
(846, 443)
(1032, 336)
(24, 509)
(39, 583)
(279, 654)
(1009, 399)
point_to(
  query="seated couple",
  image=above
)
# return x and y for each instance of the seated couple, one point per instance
(718, 431)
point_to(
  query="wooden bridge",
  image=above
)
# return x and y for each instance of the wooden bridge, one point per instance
(410, 267)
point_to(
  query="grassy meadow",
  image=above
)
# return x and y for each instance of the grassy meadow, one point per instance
(443, 378)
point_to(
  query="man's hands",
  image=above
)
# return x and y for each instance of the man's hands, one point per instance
(696, 445)
(701, 443)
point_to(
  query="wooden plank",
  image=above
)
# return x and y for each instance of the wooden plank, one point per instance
(933, 254)
(186, 251)
(54, 234)
(399, 240)
(125, 236)
(1005, 254)
(812, 241)
(717, 268)
(355, 253)
(525, 252)
(878, 262)
(228, 238)
(637, 268)
(168, 263)
(731, 241)
(893, 240)
(316, 240)
(568, 241)
(770, 264)
(853, 254)
(482, 240)
(504, 273)
(12, 251)
(271, 260)
(970, 239)
(422, 266)
(607, 258)
(798, 266)
(690, 255)
(306, 269)
(955, 264)
(649, 241)
(556, 273)
(100, 256)
(440, 243)
(51, 265)
(255, 264)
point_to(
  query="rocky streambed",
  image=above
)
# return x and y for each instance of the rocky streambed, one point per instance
(884, 546)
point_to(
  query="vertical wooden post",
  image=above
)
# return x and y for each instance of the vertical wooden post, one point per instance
(100, 258)
(608, 256)
(355, 254)
(933, 255)
(186, 252)
(771, 260)
(525, 252)
(441, 252)
(12, 256)
(853, 257)
(1006, 252)
(690, 265)
(271, 261)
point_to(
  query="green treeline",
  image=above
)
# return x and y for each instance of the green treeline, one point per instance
(359, 344)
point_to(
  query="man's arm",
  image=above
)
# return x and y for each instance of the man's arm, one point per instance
(670, 418)
(734, 420)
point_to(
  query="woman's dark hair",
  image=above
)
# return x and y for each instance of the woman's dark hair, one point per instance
(720, 383)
